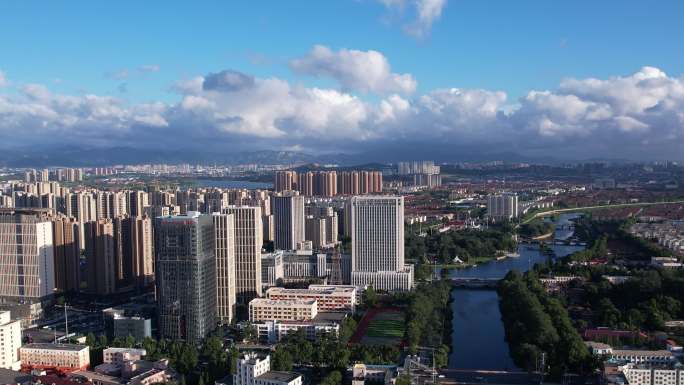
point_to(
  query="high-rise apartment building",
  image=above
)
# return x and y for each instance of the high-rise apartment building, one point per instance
(417, 167)
(101, 256)
(377, 232)
(502, 206)
(137, 254)
(137, 201)
(186, 276)
(285, 180)
(248, 243)
(288, 213)
(26, 255)
(10, 342)
(67, 254)
(316, 231)
(305, 183)
(224, 226)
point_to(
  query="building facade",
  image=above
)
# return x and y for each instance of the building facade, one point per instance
(377, 236)
(329, 299)
(60, 357)
(248, 243)
(27, 268)
(10, 342)
(224, 226)
(262, 309)
(289, 223)
(186, 276)
(502, 206)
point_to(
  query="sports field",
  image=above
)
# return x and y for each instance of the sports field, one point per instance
(383, 326)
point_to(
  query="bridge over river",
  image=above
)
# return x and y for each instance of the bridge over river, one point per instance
(474, 282)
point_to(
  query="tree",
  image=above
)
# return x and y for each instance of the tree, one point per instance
(347, 329)
(187, 359)
(282, 359)
(103, 343)
(129, 342)
(249, 333)
(90, 340)
(370, 297)
(150, 346)
(333, 378)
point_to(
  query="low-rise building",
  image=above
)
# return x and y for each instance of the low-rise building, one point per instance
(119, 356)
(254, 370)
(640, 374)
(128, 372)
(60, 357)
(643, 356)
(262, 309)
(376, 374)
(331, 298)
(273, 331)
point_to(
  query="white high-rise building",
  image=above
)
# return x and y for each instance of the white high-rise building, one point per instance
(10, 342)
(503, 206)
(377, 232)
(248, 243)
(26, 255)
(224, 226)
(288, 213)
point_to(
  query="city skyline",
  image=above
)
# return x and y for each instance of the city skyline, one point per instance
(431, 76)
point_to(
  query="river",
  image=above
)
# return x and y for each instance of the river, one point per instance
(478, 333)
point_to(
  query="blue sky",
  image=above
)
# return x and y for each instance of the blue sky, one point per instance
(135, 51)
(503, 45)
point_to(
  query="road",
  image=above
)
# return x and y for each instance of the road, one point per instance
(569, 210)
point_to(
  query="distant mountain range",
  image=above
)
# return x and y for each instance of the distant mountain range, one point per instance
(84, 157)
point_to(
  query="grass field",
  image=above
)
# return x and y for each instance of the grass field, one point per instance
(386, 328)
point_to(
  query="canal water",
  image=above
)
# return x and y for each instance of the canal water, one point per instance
(478, 333)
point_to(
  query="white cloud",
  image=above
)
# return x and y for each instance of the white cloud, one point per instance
(3, 80)
(428, 11)
(366, 71)
(638, 115)
(424, 14)
(121, 74)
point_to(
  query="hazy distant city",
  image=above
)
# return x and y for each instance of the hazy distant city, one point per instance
(342, 192)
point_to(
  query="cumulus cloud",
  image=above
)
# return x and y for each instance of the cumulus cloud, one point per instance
(634, 116)
(366, 71)
(227, 81)
(426, 12)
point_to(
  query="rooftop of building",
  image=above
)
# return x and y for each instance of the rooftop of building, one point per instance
(277, 302)
(141, 352)
(98, 377)
(8, 376)
(279, 376)
(643, 353)
(67, 347)
(181, 217)
(329, 289)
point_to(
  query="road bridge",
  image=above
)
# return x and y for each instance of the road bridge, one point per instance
(474, 283)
